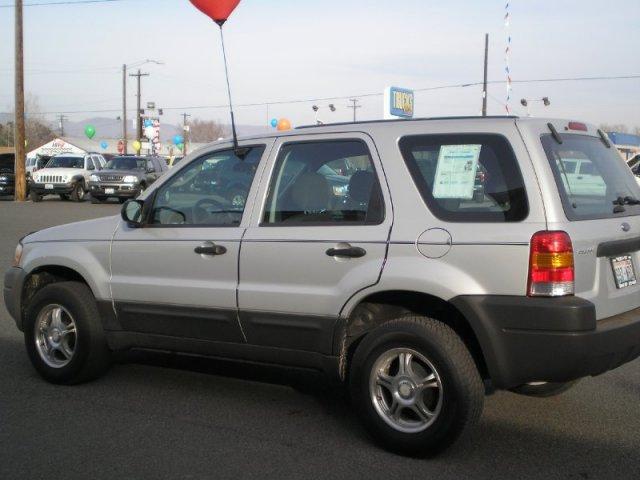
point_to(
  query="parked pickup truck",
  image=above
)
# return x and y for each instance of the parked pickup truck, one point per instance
(366, 251)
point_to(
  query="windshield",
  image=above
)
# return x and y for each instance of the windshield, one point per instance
(593, 180)
(126, 163)
(66, 162)
(7, 163)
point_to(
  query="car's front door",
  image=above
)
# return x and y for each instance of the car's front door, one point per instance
(318, 234)
(177, 276)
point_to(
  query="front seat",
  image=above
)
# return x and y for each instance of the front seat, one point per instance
(310, 196)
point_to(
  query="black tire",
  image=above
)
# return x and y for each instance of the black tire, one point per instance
(64, 196)
(35, 196)
(463, 392)
(122, 200)
(96, 200)
(77, 194)
(91, 356)
(544, 389)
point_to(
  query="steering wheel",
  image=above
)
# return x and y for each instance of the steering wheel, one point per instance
(202, 215)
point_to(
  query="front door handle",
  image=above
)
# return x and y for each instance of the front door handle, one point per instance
(349, 252)
(210, 248)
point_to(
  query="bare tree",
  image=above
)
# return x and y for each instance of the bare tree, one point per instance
(38, 130)
(201, 131)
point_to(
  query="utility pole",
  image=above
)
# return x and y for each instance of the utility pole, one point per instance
(486, 66)
(124, 107)
(355, 106)
(185, 132)
(139, 75)
(19, 129)
(61, 123)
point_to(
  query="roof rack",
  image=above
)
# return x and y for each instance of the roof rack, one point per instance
(365, 122)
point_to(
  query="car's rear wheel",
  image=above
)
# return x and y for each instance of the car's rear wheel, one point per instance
(415, 385)
(64, 196)
(96, 199)
(122, 199)
(63, 334)
(77, 194)
(35, 196)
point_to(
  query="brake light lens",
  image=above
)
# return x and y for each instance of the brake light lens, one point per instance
(581, 127)
(551, 268)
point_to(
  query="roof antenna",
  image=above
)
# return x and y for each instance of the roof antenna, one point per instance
(239, 152)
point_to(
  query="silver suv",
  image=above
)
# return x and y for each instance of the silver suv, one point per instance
(422, 263)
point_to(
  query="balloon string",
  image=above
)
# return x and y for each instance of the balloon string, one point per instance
(226, 71)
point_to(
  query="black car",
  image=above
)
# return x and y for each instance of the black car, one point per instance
(125, 177)
(7, 174)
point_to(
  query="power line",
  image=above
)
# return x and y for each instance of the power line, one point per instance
(62, 2)
(364, 95)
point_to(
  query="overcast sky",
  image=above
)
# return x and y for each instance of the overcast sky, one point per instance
(297, 49)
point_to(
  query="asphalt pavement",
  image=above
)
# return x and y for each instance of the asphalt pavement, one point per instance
(160, 416)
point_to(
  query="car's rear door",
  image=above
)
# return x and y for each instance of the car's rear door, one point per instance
(178, 275)
(318, 234)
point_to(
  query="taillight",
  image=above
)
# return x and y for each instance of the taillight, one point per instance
(551, 271)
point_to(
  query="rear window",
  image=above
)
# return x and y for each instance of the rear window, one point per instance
(467, 177)
(593, 180)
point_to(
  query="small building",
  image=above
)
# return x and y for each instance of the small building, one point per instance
(627, 144)
(74, 145)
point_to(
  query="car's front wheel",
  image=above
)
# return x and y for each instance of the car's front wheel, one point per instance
(415, 385)
(35, 196)
(77, 194)
(63, 334)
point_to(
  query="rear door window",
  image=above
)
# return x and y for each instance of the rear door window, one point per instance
(324, 183)
(467, 177)
(600, 183)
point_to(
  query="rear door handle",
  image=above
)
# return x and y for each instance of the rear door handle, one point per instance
(349, 252)
(210, 248)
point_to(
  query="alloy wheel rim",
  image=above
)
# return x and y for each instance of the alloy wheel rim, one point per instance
(55, 336)
(406, 390)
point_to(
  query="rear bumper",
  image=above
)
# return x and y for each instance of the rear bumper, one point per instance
(13, 282)
(548, 339)
(58, 188)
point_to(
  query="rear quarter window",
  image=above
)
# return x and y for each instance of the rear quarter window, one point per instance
(467, 177)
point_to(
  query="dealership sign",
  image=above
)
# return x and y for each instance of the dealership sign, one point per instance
(398, 103)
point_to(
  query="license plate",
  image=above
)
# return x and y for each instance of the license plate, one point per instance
(109, 191)
(623, 271)
(48, 186)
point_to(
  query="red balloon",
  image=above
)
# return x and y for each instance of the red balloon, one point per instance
(218, 10)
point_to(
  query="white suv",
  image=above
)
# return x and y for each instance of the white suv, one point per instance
(66, 175)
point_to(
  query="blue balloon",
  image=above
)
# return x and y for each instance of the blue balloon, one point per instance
(148, 123)
(104, 145)
(274, 122)
(178, 139)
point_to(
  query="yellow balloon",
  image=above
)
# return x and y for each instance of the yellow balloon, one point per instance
(136, 145)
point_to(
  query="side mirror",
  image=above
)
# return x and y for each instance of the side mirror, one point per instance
(132, 213)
